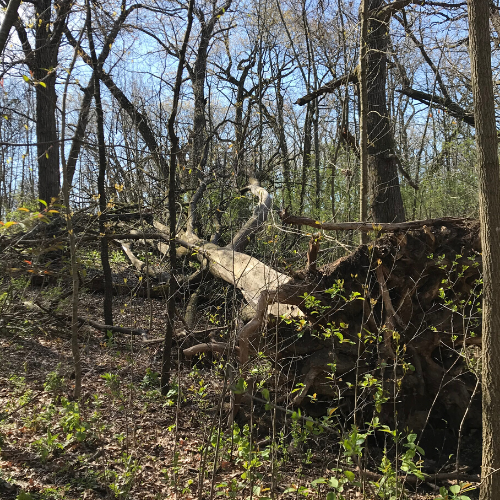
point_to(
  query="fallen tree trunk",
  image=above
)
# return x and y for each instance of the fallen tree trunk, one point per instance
(245, 272)
(401, 311)
(299, 220)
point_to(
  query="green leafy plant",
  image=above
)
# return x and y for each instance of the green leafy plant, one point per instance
(23, 495)
(151, 379)
(113, 384)
(455, 492)
(72, 423)
(46, 445)
(54, 381)
(120, 483)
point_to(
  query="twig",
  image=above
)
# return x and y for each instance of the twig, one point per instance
(412, 479)
(95, 324)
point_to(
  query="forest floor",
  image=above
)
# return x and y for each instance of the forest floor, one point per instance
(124, 440)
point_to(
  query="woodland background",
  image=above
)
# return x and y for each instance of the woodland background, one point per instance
(130, 137)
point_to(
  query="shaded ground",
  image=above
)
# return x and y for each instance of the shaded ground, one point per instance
(124, 440)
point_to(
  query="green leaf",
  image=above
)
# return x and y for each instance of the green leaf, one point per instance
(43, 84)
(411, 438)
(455, 489)
(26, 79)
(265, 393)
(24, 496)
(44, 203)
(333, 482)
(320, 480)
(349, 475)
(240, 387)
(331, 496)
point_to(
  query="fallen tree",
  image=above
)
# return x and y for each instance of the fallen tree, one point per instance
(402, 310)
(394, 320)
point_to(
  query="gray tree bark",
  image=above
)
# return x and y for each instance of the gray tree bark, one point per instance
(363, 108)
(198, 73)
(489, 215)
(383, 183)
(8, 22)
(42, 62)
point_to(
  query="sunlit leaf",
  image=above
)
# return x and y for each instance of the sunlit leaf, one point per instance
(349, 475)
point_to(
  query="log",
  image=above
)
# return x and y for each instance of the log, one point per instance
(297, 220)
(402, 289)
(219, 347)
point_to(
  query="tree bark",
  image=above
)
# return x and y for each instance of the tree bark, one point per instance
(363, 108)
(383, 182)
(280, 130)
(8, 22)
(108, 280)
(306, 155)
(43, 68)
(88, 92)
(174, 150)
(489, 213)
(198, 74)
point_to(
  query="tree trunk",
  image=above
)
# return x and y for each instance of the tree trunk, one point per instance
(198, 74)
(306, 154)
(101, 179)
(174, 149)
(44, 69)
(8, 22)
(285, 160)
(489, 194)
(363, 105)
(384, 191)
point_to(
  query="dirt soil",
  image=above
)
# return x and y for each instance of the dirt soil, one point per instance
(123, 439)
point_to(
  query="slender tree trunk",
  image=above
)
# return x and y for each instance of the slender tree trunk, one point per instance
(66, 189)
(140, 119)
(384, 191)
(285, 160)
(88, 92)
(489, 213)
(240, 124)
(8, 22)
(101, 179)
(198, 74)
(174, 149)
(81, 127)
(317, 163)
(363, 108)
(306, 154)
